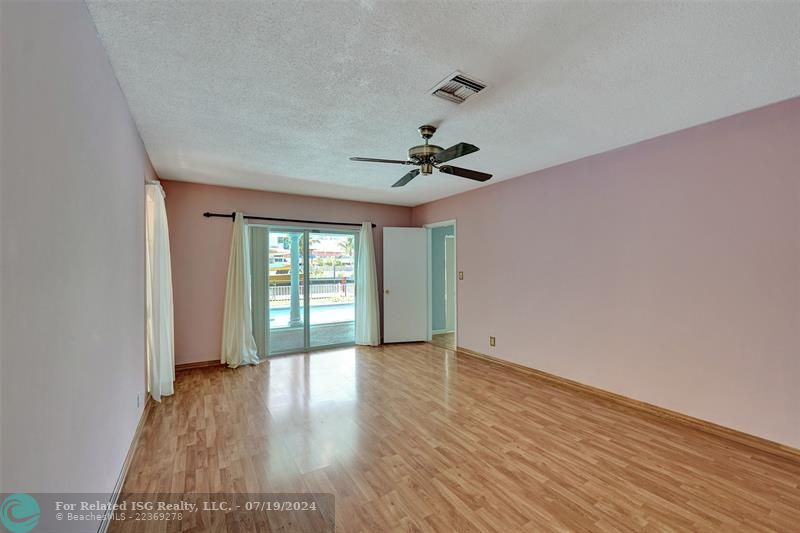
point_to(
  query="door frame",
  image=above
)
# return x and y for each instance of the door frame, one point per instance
(429, 227)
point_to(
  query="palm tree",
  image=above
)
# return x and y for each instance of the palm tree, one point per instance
(348, 246)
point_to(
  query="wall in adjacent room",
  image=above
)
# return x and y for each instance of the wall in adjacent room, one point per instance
(72, 189)
(667, 271)
(200, 248)
(438, 286)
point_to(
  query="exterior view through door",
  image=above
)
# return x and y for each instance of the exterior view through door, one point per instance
(309, 275)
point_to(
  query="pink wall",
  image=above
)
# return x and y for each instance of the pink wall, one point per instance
(667, 271)
(200, 248)
(73, 170)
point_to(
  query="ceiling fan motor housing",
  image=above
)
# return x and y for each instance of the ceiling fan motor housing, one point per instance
(423, 155)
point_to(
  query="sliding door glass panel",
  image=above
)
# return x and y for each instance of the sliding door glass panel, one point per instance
(259, 264)
(287, 316)
(331, 259)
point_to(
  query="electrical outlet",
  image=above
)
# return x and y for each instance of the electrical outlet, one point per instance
(461, 275)
(491, 341)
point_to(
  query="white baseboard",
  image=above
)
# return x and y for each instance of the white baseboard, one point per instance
(104, 525)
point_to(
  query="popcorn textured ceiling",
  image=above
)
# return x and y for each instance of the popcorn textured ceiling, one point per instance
(277, 95)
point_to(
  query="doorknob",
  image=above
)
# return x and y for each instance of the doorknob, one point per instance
(387, 291)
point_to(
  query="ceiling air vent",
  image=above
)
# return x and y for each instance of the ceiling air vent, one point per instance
(458, 87)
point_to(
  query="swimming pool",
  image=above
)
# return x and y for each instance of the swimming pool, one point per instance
(320, 314)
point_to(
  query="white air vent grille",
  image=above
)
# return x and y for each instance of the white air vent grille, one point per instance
(458, 88)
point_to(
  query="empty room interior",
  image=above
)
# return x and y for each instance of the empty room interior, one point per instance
(383, 266)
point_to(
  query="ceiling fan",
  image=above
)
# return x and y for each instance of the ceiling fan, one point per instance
(429, 156)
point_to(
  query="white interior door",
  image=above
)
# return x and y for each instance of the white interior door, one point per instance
(405, 284)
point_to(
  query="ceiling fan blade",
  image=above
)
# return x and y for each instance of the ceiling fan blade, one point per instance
(465, 173)
(408, 177)
(455, 151)
(373, 160)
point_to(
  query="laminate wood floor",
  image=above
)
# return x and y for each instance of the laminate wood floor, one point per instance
(444, 340)
(418, 438)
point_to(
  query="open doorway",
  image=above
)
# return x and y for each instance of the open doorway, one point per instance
(442, 284)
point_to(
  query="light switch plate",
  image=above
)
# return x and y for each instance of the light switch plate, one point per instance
(460, 275)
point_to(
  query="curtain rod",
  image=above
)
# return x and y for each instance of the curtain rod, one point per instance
(253, 217)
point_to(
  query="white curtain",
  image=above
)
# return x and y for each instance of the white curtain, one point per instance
(238, 345)
(158, 298)
(368, 318)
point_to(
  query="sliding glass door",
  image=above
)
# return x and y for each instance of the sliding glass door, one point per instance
(287, 302)
(309, 301)
(332, 287)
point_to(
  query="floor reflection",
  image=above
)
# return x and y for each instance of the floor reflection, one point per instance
(311, 400)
